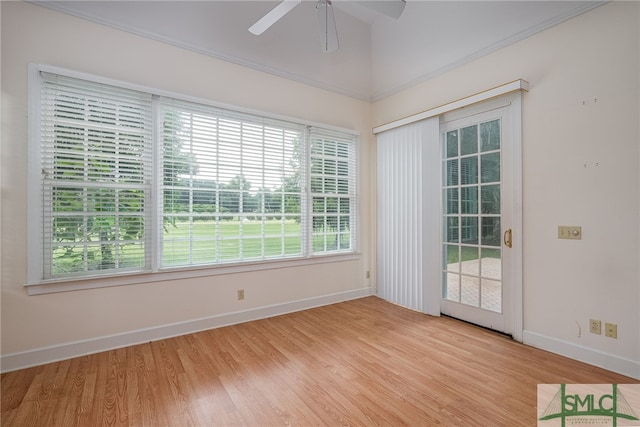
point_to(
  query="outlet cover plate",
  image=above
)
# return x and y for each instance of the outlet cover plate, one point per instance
(572, 232)
(611, 330)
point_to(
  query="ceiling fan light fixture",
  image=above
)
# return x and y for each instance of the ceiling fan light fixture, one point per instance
(327, 26)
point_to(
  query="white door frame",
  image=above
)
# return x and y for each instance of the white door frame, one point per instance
(512, 103)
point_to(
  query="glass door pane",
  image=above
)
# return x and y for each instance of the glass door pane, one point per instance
(472, 254)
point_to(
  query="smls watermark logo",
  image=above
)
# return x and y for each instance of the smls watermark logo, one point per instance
(580, 405)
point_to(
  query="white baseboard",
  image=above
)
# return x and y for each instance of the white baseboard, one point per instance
(40, 356)
(630, 368)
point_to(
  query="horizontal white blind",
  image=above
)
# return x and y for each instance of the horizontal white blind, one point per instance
(127, 181)
(96, 169)
(231, 186)
(333, 191)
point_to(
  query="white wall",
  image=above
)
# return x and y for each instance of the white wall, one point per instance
(56, 325)
(582, 109)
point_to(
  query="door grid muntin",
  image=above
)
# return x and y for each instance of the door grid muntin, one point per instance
(472, 265)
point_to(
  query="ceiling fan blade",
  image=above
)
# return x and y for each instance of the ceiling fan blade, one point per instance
(273, 16)
(327, 26)
(392, 8)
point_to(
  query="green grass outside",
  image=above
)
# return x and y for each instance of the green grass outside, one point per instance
(196, 243)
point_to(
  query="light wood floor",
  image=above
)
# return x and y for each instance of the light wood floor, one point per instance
(363, 362)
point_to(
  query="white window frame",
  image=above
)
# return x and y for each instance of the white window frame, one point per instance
(35, 282)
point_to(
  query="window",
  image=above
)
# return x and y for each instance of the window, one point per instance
(232, 186)
(332, 183)
(129, 181)
(96, 166)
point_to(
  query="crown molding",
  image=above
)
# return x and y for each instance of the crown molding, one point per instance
(583, 8)
(372, 97)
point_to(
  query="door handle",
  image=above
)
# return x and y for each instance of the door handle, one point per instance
(506, 238)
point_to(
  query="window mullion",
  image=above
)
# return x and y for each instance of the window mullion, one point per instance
(240, 191)
(218, 206)
(154, 243)
(260, 194)
(306, 204)
(190, 190)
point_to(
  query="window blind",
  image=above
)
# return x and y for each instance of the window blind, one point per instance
(96, 164)
(408, 255)
(127, 181)
(333, 190)
(232, 185)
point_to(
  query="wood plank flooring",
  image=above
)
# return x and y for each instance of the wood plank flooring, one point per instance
(363, 362)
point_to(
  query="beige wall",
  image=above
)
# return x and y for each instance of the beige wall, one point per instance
(32, 34)
(593, 56)
(582, 109)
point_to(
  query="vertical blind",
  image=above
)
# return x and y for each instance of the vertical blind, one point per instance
(134, 182)
(408, 241)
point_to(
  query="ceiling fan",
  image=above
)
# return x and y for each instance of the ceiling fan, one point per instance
(325, 17)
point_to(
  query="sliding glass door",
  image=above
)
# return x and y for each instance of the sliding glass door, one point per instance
(476, 234)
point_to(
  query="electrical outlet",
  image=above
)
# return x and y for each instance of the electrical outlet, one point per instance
(240, 294)
(367, 275)
(595, 326)
(611, 330)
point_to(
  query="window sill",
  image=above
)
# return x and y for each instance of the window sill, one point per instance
(77, 284)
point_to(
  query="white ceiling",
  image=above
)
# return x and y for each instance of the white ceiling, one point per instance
(378, 55)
